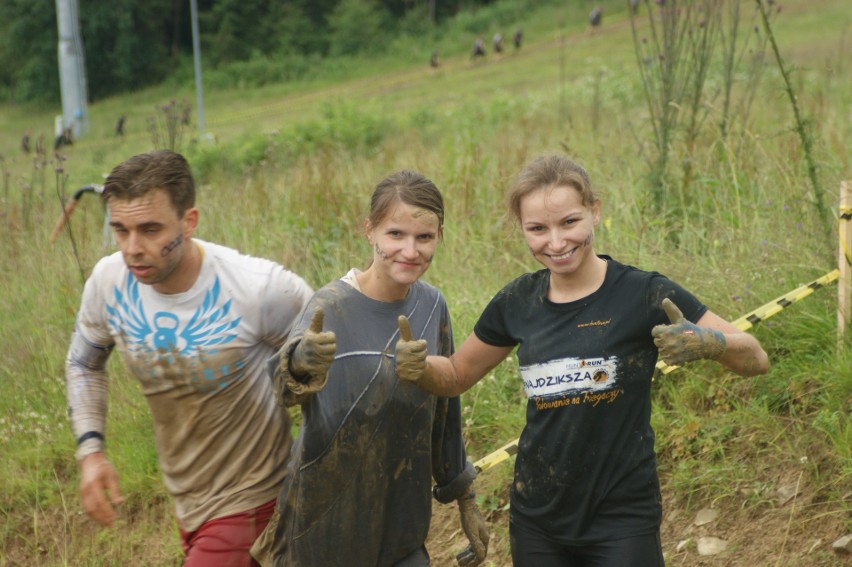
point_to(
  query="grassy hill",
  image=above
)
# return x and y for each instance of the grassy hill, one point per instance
(286, 170)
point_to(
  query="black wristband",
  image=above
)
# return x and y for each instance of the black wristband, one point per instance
(89, 435)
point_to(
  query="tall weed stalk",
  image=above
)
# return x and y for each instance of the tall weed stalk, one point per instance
(676, 54)
(673, 61)
(743, 62)
(169, 124)
(802, 127)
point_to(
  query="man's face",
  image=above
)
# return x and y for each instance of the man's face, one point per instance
(153, 239)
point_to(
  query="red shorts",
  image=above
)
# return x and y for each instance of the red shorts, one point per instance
(225, 541)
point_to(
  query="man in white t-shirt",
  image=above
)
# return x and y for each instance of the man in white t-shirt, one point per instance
(194, 322)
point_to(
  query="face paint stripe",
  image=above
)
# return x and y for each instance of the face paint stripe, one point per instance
(380, 252)
(167, 249)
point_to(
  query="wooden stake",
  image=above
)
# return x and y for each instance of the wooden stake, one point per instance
(844, 282)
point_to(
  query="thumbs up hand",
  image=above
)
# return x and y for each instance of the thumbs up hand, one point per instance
(410, 354)
(683, 341)
(312, 357)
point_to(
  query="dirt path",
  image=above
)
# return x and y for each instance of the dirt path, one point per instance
(797, 533)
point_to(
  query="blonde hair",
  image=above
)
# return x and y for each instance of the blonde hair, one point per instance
(549, 172)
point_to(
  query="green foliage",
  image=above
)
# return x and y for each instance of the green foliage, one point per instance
(131, 44)
(237, 29)
(346, 126)
(287, 171)
(125, 44)
(355, 26)
(232, 158)
(415, 23)
(486, 19)
(343, 127)
(262, 69)
(28, 37)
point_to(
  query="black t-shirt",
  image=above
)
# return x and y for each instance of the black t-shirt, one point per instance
(586, 469)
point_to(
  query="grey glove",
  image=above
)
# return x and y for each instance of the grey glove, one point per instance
(309, 361)
(475, 529)
(683, 341)
(410, 354)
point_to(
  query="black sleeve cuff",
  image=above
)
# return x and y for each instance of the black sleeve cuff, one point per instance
(457, 487)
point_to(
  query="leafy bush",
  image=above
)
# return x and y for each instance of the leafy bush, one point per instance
(262, 69)
(355, 26)
(343, 126)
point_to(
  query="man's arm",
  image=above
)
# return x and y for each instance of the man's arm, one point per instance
(86, 391)
(281, 302)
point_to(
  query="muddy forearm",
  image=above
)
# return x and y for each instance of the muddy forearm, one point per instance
(440, 377)
(87, 392)
(743, 355)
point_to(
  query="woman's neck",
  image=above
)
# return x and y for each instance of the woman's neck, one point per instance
(563, 288)
(380, 289)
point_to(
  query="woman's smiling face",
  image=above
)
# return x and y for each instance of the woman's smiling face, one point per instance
(404, 243)
(559, 228)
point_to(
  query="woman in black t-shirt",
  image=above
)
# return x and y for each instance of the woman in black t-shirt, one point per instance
(589, 330)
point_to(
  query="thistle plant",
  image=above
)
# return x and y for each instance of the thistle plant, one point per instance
(674, 59)
(802, 126)
(168, 125)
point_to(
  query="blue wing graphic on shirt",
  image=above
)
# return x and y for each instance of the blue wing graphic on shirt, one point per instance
(127, 315)
(209, 325)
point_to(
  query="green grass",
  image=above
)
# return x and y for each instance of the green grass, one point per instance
(288, 174)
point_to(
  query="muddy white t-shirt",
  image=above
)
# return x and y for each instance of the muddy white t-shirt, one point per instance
(200, 356)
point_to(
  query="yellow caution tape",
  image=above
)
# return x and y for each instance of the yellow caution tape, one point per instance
(744, 323)
(751, 319)
(500, 455)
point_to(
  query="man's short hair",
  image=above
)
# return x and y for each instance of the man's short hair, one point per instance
(143, 173)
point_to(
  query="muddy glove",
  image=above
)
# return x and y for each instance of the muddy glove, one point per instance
(310, 359)
(475, 529)
(410, 354)
(683, 341)
(264, 547)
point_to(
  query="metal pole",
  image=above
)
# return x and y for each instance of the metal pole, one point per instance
(196, 53)
(72, 68)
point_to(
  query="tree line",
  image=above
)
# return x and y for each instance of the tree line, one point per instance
(131, 44)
